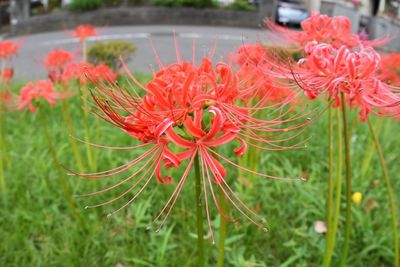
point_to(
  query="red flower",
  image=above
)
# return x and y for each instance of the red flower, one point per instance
(57, 59)
(390, 69)
(84, 72)
(84, 31)
(323, 29)
(42, 89)
(56, 62)
(8, 49)
(354, 73)
(187, 111)
(7, 75)
(255, 61)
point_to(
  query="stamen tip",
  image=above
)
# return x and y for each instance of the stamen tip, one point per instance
(158, 230)
(109, 215)
(86, 207)
(303, 179)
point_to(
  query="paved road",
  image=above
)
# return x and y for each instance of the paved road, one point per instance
(29, 63)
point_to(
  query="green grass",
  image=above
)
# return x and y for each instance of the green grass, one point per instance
(38, 229)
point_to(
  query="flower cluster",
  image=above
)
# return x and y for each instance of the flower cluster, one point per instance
(337, 62)
(323, 29)
(42, 89)
(8, 49)
(188, 111)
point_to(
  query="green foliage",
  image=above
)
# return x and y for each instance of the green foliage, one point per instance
(85, 5)
(184, 3)
(293, 52)
(241, 5)
(110, 53)
(37, 228)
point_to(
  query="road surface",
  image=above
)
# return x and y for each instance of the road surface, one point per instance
(29, 62)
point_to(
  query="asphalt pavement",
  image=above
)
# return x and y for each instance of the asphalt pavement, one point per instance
(29, 64)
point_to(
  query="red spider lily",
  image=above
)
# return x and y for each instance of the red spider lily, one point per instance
(84, 72)
(193, 110)
(42, 89)
(8, 49)
(56, 62)
(8, 100)
(390, 69)
(7, 74)
(323, 29)
(84, 31)
(354, 73)
(253, 60)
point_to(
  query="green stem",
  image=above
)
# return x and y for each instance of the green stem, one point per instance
(2, 151)
(338, 192)
(70, 128)
(199, 213)
(84, 51)
(60, 171)
(390, 194)
(89, 152)
(329, 201)
(369, 152)
(348, 224)
(222, 230)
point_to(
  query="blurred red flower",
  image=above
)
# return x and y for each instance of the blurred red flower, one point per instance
(84, 31)
(42, 89)
(7, 74)
(8, 49)
(390, 69)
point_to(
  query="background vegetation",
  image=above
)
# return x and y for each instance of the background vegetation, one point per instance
(37, 228)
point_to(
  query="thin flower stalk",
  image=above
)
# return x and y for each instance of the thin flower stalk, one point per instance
(199, 213)
(389, 189)
(348, 218)
(60, 172)
(223, 225)
(329, 201)
(2, 153)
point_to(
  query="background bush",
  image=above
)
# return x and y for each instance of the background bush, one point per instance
(185, 3)
(110, 53)
(85, 5)
(241, 5)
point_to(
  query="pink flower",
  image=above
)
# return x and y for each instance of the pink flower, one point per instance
(42, 89)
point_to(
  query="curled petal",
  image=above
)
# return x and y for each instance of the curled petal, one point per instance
(164, 180)
(217, 122)
(176, 139)
(239, 151)
(163, 126)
